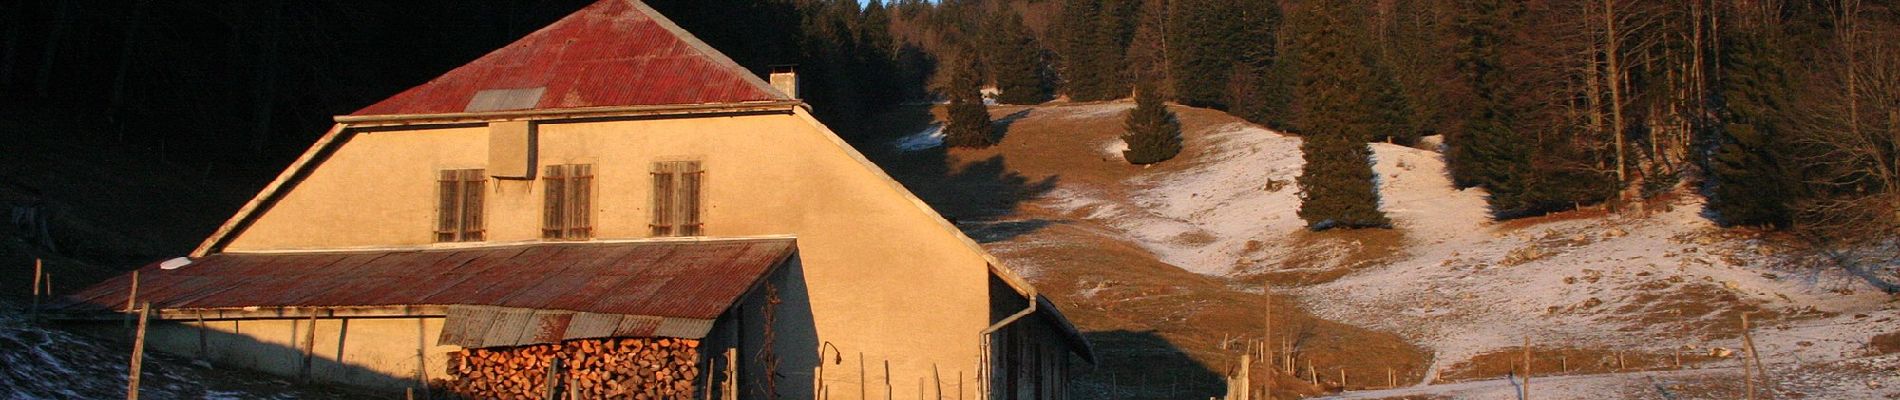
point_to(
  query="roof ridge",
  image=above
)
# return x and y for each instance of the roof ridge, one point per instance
(607, 54)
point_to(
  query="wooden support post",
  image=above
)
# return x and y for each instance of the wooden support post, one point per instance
(202, 348)
(936, 378)
(38, 271)
(1342, 378)
(861, 389)
(131, 299)
(888, 390)
(409, 393)
(309, 348)
(550, 383)
(138, 353)
(1391, 378)
(959, 385)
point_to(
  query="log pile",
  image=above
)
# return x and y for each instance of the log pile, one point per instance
(642, 369)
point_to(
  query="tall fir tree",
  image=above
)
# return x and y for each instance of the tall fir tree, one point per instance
(1251, 92)
(1154, 133)
(1202, 60)
(1751, 181)
(1488, 151)
(1095, 36)
(1337, 185)
(969, 119)
(1396, 119)
(1015, 60)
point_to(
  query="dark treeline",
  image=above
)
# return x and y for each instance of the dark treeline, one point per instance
(247, 85)
(1782, 113)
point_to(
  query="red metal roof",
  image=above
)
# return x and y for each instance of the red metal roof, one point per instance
(611, 53)
(665, 279)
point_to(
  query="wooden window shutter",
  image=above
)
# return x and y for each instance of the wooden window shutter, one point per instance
(662, 201)
(676, 198)
(448, 205)
(567, 210)
(553, 219)
(580, 184)
(689, 198)
(459, 205)
(474, 190)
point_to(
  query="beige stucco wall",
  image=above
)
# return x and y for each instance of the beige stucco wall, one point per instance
(366, 352)
(886, 278)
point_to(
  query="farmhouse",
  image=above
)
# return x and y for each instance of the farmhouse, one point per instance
(606, 208)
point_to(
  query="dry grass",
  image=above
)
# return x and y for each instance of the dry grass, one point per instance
(1159, 328)
(1887, 343)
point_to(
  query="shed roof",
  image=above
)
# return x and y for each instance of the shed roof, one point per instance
(635, 288)
(613, 53)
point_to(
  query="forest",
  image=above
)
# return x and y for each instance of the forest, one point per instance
(1784, 114)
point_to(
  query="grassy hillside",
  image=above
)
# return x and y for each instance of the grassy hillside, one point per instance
(1168, 267)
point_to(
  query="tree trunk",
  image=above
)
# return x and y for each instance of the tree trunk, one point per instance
(1614, 72)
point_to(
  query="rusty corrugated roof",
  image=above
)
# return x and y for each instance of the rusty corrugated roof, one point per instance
(656, 280)
(611, 53)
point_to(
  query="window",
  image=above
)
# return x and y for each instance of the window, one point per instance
(569, 191)
(676, 198)
(459, 206)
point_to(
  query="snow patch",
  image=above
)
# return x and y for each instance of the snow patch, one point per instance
(928, 138)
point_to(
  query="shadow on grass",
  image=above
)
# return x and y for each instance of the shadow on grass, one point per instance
(1144, 365)
(979, 194)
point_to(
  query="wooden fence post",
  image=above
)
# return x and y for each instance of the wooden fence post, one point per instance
(38, 271)
(1748, 343)
(138, 353)
(1527, 368)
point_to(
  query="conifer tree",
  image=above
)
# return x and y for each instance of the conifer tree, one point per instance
(1395, 117)
(1015, 60)
(969, 120)
(1154, 134)
(1488, 151)
(1337, 187)
(1751, 181)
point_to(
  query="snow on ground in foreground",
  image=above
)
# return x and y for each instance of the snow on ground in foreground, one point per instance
(928, 138)
(1202, 219)
(1838, 382)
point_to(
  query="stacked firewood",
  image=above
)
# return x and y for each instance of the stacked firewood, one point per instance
(642, 369)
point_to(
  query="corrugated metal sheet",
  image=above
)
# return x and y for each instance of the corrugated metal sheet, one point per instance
(612, 53)
(640, 284)
(485, 326)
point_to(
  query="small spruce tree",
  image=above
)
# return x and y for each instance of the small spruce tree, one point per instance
(969, 120)
(1154, 134)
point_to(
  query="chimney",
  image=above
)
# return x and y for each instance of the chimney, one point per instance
(785, 79)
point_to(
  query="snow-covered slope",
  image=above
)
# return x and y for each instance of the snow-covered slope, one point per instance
(1463, 285)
